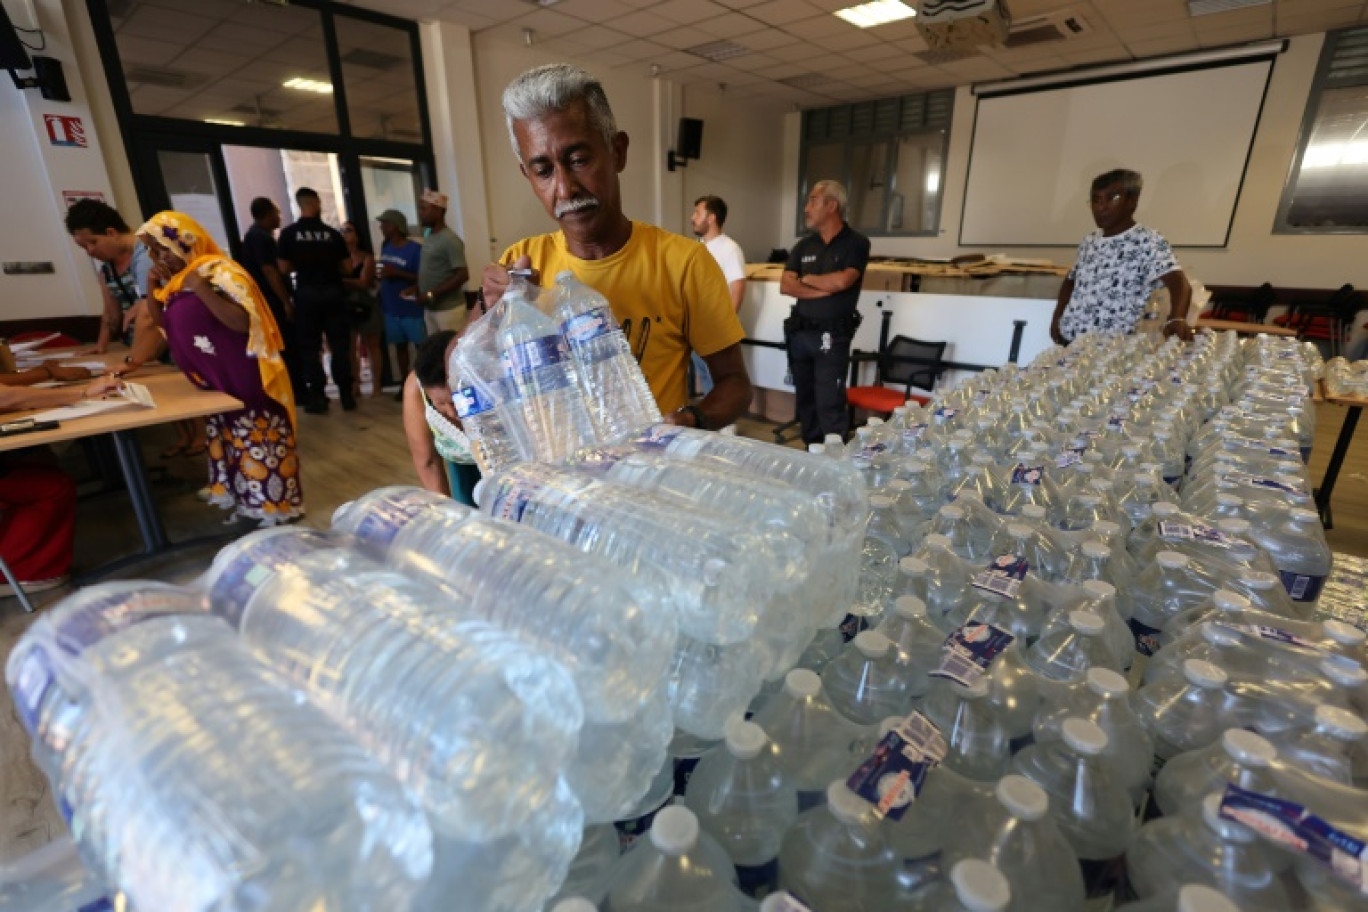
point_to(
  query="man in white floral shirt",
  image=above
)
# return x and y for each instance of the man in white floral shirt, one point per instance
(1118, 266)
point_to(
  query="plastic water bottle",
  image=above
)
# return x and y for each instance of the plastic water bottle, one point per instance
(543, 372)
(1102, 698)
(1190, 898)
(381, 654)
(810, 738)
(744, 801)
(974, 885)
(1186, 713)
(883, 525)
(485, 397)
(619, 399)
(866, 683)
(614, 762)
(1102, 598)
(919, 839)
(1328, 748)
(916, 641)
(979, 746)
(1204, 847)
(1300, 553)
(636, 821)
(587, 879)
(1088, 801)
(1014, 831)
(1172, 584)
(678, 869)
(709, 683)
(135, 709)
(1239, 758)
(837, 857)
(934, 575)
(1069, 645)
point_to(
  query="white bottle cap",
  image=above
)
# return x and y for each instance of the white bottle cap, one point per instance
(845, 805)
(950, 511)
(1171, 560)
(1203, 674)
(1217, 635)
(1022, 798)
(1247, 748)
(872, 644)
(1226, 600)
(1201, 898)
(574, 904)
(909, 606)
(1106, 529)
(1086, 622)
(1099, 589)
(979, 886)
(1233, 526)
(1096, 549)
(745, 740)
(913, 566)
(1344, 634)
(1018, 529)
(1165, 508)
(1340, 723)
(874, 422)
(833, 440)
(1344, 672)
(1084, 737)
(1258, 580)
(674, 830)
(880, 502)
(801, 683)
(817, 449)
(1107, 683)
(899, 485)
(937, 540)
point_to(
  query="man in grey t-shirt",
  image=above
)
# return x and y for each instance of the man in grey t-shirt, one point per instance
(442, 270)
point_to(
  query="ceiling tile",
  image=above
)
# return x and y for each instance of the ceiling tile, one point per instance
(801, 51)
(593, 11)
(680, 38)
(784, 12)
(730, 25)
(820, 26)
(689, 12)
(642, 24)
(596, 37)
(751, 63)
(766, 39)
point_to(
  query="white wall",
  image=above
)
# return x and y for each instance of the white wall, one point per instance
(1255, 254)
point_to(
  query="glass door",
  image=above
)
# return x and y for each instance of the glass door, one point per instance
(188, 176)
(391, 183)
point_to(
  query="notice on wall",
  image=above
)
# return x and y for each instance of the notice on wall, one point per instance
(72, 197)
(65, 131)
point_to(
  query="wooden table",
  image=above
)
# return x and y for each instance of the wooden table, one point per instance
(177, 399)
(1244, 329)
(1322, 494)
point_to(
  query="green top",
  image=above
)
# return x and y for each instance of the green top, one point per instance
(443, 254)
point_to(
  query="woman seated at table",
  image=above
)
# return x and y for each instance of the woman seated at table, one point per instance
(223, 338)
(440, 449)
(37, 499)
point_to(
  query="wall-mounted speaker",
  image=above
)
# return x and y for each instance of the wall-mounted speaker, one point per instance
(690, 143)
(51, 80)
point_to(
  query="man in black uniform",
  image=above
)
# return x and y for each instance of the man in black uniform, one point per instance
(317, 256)
(259, 256)
(824, 272)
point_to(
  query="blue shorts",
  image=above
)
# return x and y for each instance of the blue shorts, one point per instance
(399, 330)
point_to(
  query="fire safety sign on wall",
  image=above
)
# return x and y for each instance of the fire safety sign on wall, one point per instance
(65, 131)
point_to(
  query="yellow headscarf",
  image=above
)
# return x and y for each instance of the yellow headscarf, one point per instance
(184, 237)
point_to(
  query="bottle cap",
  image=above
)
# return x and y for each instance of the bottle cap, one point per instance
(874, 422)
(1107, 683)
(913, 566)
(1225, 600)
(1017, 530)
(909, 606)
(1165, 508)
(898, 485)
(872, 644)
(674, 830)
(979, 886)
(1248, 748)
(1084, 737)
(816, 449)
(845, 805)
(937, 540)
(1171, 560)
(574, 904)
(1033, 511)
(950, 511)
(1258, 580)
(1086, 622)
(833, 440)
(880, 502)
(1106, 529)
(1344, 672)
(1022, 798)
(1217, 635)
(745, 740)
(1203, 674)
(1340, 723)
(1099, 589)
(1096, 549)
(1344, 634)
(801, 683)
(1201, 898)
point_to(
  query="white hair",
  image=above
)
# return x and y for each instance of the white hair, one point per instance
(833, 190)
(555, 87)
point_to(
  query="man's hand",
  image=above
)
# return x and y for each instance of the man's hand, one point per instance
(158, 276)
(494, 281)
(1055, 334)
(390, 271)
(59, 372)
(1179, 328)
(102, 386)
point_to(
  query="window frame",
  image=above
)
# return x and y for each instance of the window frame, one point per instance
(1319, 85)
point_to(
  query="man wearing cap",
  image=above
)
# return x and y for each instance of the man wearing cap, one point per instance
(442, 271)
(259, 256)
(399, 262)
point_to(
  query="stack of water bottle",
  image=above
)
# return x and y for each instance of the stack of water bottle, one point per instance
(545, 373)
(1346, 378)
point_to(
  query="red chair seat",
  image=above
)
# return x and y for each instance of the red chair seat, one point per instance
(875, 398)
(1314, 328)
(62, 340)
(1239, 316)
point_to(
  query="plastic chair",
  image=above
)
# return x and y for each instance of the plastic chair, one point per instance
(61, 341)
(16, 586)
(1328, 322)
(1253, 309)
(904, 361)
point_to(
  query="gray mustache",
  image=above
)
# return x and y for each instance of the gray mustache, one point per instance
(575, 205)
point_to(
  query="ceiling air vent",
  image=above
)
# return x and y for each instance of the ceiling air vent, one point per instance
(1209, 7)
(163, 78)
(718, 51)
(1058, 26)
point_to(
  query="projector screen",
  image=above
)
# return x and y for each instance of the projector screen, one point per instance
(1035, 153)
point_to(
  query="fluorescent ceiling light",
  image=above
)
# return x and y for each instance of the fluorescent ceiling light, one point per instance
(224, 123)
(879, 12)
(309, 85)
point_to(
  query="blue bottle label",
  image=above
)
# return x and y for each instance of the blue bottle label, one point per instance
(1028, 475)
(1264, 632)
(76, 631)
(659, 437)
(1003, 576)
(913, 432)
(31, 685)
(387, 517)
(534, 354)
(942, 415)
(1296, 829)
(100, 905)
(893, 777)
(758, 881)
(239, 581)
(470, 402)
(588, 326)
(1116, 424)
(1302, 587)
(1146, 637)
(1194, 531)
(1269, 484)
(872, 451)
(969, 652)
(510, 500)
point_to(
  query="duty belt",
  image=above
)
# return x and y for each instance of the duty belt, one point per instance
(844, 325)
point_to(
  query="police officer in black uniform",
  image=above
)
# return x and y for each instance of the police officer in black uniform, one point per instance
(824, 272)
(317, 256)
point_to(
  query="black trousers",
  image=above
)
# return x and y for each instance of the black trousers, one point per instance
(819, 363)
(290, 353)
(319, 313)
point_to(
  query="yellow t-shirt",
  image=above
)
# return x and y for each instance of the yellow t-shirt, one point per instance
(667, 292)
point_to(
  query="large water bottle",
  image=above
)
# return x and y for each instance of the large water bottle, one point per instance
(678, 869)
(1190, 898)
(1169, 586)
(1204, 847)
(140, 717)
(485, 397)
(543, 373)
(811, 739)
(1088, 800)
(619, 399)
(744, 801)
(920, 837)
(587, 879)
(977, 740)
(866, 683)
(916, 641)
(708, 683)
(1103, 699)
(1014, 831)
(1070, 644)
(1300, 553)
(1184, 714)
(452, 704)
(1239, 758)
(1331, 747)
(974, 885)
(837, 857)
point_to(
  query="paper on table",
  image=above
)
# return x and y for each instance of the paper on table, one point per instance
(131, 394)
(31, 344)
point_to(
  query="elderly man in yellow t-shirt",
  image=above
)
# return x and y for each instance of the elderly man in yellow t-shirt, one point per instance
(666, 290)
